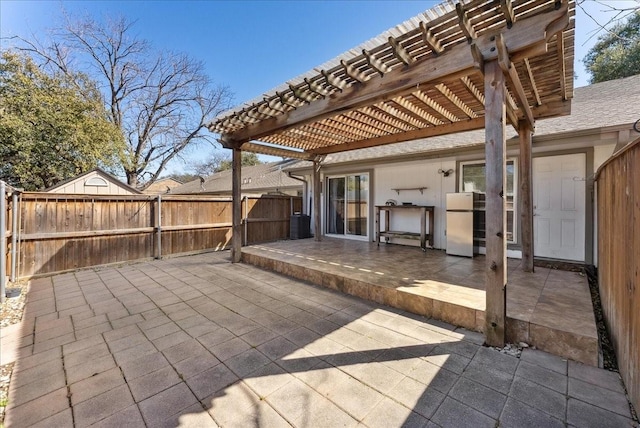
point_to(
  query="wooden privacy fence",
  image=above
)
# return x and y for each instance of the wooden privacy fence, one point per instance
(8, 235)
(60, 232)
(618, 192)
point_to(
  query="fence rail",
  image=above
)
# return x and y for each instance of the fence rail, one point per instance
(618, 192)
(61, 232)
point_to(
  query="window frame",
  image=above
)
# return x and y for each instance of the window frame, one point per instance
(514, 209)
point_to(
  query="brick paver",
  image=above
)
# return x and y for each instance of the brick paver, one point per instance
(197, 341)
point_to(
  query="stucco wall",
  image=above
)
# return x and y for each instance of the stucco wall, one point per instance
(416, 174)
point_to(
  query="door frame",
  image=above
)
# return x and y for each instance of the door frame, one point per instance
(325, 204)
(589, 225)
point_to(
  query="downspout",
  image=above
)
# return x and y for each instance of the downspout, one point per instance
(305, 187)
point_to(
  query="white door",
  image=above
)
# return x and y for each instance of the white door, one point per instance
(559, 206)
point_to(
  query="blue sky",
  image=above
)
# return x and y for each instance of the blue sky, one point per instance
(253, 46)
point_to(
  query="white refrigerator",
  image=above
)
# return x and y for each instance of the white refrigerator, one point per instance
(460, 224)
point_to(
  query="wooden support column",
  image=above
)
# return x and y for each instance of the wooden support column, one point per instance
(525, 196)
(317, 188)
(236, 212)
(496, 216)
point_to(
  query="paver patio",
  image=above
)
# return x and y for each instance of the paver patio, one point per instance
(197, 341)
(550, 309)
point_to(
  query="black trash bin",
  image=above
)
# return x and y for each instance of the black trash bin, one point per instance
(300, 226)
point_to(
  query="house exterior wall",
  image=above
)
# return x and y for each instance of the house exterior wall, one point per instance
(78, 186)
(415, 174)
(386, 175)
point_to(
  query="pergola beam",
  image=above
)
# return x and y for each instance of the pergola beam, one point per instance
(511, 74)
(432, 131)
(506, 6)
(400, 52)
(532, 81)
(464, 23)
(430, 40)
(526, 37)
(275, 151)
(563, 83)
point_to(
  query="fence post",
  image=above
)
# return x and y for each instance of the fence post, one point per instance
(246, 220)
(3, 240)
(158, 221)
(14, 234)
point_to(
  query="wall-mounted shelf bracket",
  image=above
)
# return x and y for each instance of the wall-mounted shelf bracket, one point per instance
(421, 189)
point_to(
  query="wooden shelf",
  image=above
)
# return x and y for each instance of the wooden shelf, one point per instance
(421, 189)
(422, 236)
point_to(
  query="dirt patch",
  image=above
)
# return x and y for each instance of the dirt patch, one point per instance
(559, 265)
(11, 311)
(608, 353)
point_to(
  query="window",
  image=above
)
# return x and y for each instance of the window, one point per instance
(472, 179)
(96, 181)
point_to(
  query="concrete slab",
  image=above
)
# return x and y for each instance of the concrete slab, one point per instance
(239, 346)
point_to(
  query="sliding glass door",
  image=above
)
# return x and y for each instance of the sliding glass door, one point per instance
(348, 205)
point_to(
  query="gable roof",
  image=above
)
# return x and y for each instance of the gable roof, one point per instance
(163, 185)
(596, 106)
(96, 171)
(258, 178)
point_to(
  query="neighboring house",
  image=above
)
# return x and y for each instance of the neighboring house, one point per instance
(268, 178)
(566, 152)
(164, 185)
(94, 182)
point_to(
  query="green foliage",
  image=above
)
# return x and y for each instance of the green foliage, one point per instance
(617, 53)
(183, 178)
(51, 127)
(248, 159)
(221, 161)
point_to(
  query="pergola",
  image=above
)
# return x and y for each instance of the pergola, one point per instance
(457, 67)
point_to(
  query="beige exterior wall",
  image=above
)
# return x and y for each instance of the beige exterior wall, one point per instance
(92, 184)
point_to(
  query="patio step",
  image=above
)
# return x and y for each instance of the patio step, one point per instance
(457, 305)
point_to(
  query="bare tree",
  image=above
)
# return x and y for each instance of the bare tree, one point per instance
(612, 15)
(160, 101)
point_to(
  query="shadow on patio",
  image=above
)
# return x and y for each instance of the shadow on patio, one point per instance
(549, 309)
(201, 342)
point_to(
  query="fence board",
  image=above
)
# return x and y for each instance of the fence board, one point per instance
(618, 187)
(65, 232)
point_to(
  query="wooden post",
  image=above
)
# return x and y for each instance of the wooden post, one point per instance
(158, 226)
(525, 196)
(317, 188)
(495, 147)
(236, 212)
(245, 220)
(14, 235)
